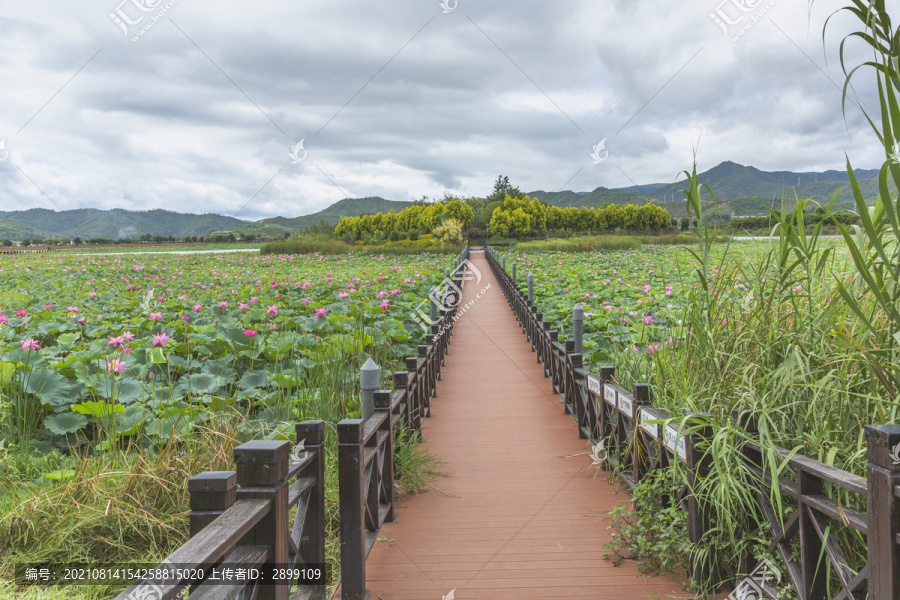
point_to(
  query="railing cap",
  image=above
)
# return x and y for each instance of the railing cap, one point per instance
(883, 446)
(350, 431)
(312, 432)
(262, 451)
(213, 481)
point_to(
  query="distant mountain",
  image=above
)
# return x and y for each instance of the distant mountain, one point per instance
(740, 190)
(598, 197)
(117, 223)
(348, 207)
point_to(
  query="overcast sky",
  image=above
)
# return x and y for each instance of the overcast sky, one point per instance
(196, 105)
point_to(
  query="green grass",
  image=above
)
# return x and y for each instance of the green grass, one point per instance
(603, 242)
(309, 246)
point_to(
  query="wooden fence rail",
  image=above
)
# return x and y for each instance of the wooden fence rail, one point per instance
(635, 441)
(239, 521)
(366, 451)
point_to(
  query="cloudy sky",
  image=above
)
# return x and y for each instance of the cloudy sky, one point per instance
(197, 105)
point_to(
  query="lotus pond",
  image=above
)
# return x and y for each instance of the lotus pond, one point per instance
(97, 348)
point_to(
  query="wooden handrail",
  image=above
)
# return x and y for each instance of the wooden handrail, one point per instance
(625, 423)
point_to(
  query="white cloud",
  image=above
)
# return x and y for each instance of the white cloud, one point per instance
(157, 124)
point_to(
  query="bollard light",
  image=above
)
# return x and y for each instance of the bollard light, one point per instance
(531, 288)
(369, 377)
(578, 328)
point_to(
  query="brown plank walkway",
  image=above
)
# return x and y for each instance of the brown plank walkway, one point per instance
(520, 513)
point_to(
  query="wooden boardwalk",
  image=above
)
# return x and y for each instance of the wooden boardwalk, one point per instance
(521, 513)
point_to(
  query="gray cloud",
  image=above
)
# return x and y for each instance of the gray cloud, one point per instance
(156, 123)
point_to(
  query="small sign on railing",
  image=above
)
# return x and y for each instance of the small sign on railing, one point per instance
(609, 394)
(675, 443)
(594, 384)
(651, 428)
(626, 405)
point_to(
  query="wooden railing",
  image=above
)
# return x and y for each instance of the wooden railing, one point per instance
(241, 543)
(239, 521)
(366, 452)
(637, 438)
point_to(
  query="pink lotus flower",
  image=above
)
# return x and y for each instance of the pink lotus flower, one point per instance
(321, 312)
(92, 295)
(343, 295)
(272, 311)
(797, 289)
(127, 350)
(305, 301)
(160, 339)
(48, 306)
(115, 365)
(155, 316)
(243, 306)
(395, 292)
(185, 318)
(72, 309)
(253, 299)
(652, 348)
(21, 313)
(114, 341)
(197, 308)
(250, 332)
(724, 320)
(384, 305)
(668, 290)
(381, 294)
(30, 344)
(648, 320)
(223, 304)
(4, 319)
(127, 336)
(82, 320)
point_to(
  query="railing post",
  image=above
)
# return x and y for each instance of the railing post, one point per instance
(578, 328)
(262, 468)
(352, 509)
(504, 263)
(312, 544)
(383, 404)
(401, 381)
(531, 288)
(698, 462)
(606, 376)
(434, 307)
(514, 274)
(883, 477)
(641, 393)
(369, 378)
(212, 493)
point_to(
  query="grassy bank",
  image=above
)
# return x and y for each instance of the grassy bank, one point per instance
(591, 243)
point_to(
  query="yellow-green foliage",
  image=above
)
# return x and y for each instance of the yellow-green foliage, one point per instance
(449, 232)
(421, 217)
(518, 217)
